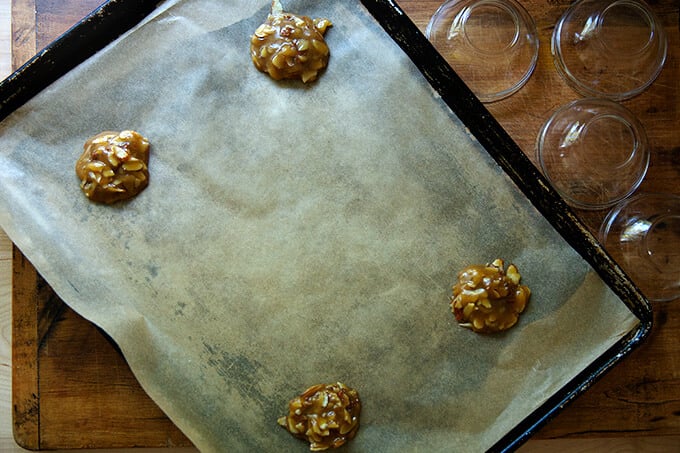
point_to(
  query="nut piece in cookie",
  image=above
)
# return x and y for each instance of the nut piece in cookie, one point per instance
(288, 46)
(488, 298)
(114, 166)
(325, 415)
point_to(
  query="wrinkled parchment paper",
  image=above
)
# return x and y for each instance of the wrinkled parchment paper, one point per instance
(295, 234)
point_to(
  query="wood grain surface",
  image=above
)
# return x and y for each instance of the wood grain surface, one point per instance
(72, 389)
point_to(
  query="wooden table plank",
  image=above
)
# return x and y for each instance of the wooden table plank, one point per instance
(25, 393)
(72, 388)
(82, 407)
(23, 31)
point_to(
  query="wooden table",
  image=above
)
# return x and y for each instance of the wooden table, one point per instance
(72, 388)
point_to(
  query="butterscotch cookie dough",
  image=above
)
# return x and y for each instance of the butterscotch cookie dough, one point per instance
(325, 415)
(488, 298)
(114, 166)
(288, 46)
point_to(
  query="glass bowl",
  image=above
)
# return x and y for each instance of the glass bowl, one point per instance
(594, 152)
(642, 234)
(491, 44)
(609, 49)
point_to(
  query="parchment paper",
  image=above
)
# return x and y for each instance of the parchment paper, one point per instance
(294, 235)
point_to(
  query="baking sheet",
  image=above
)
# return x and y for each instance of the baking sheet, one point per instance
(296, 234)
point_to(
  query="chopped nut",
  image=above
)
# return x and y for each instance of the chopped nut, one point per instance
(322, 24)
(133, 165)
(302, 45)
(489, 299)
(264, 30)
(104, 138)
(96, 166)
(113, 166)
(121, 153)
(288, 46)
(320, 46)
(113, 160)
(127, 135)
(326, 415)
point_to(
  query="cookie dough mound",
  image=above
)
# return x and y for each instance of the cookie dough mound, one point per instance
(114, 166)
(288, 46)
(488, 298)
(325, 415)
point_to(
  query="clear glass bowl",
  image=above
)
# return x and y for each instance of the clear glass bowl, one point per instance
(594, 152)
(642, 234)
(609, 49)
(491, 44)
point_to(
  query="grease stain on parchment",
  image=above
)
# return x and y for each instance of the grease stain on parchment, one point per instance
(241, 373)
